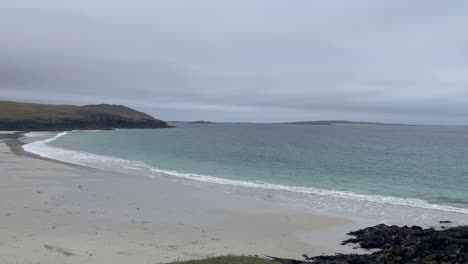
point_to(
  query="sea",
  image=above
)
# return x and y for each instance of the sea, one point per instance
(391, 174)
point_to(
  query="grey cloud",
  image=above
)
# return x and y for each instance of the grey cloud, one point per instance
(270, 61)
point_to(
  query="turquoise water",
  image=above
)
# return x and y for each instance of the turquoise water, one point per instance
(416, 166)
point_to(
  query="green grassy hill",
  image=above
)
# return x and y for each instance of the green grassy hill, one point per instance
(40, 117)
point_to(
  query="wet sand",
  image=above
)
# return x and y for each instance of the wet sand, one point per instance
(53, 212)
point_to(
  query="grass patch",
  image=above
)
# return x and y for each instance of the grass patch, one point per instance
(228, 260)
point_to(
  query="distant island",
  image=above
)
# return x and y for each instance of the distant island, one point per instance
(15, 116)
(201, 122)
(340, 122)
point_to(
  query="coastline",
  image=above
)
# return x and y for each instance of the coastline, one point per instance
(67, 213)
(387, 209)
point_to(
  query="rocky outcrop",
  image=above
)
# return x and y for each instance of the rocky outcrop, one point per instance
(401, 245)
(201, 122)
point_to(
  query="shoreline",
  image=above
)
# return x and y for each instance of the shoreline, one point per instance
(52, 207)
(16, 146)
(392, 210)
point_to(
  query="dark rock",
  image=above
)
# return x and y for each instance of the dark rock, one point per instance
(286, 261)
(401, 245)
(201, 122)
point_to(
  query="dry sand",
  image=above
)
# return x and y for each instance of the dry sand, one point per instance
(52, 212)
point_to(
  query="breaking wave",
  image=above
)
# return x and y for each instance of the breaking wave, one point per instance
(44, 149)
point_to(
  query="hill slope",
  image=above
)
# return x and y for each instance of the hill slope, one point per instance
(44, 117)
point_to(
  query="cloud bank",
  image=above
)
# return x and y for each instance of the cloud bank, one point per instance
(255, 61)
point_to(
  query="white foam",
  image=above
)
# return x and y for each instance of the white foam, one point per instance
(40, 147)
(36, 134)
(43, 148)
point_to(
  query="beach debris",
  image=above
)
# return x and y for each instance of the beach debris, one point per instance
(445, 222)
(59, 250)
(396, 244)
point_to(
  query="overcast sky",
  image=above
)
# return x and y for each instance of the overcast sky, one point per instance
(233, 60)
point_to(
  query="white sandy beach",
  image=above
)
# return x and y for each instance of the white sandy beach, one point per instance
(52, 212)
